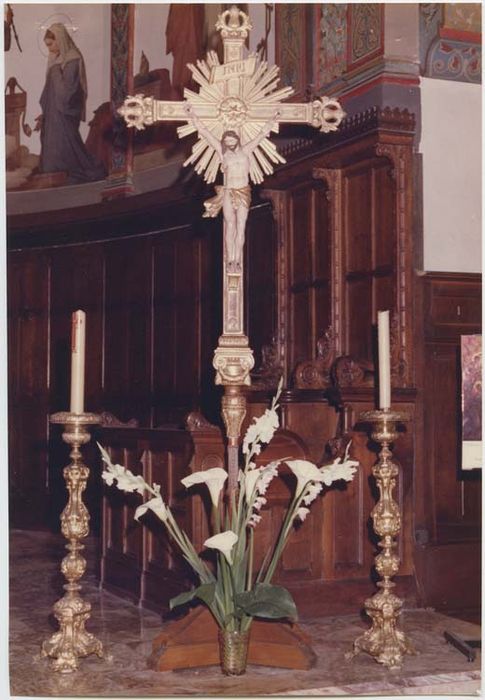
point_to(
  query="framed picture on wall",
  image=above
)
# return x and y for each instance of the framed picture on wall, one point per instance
(471, 401)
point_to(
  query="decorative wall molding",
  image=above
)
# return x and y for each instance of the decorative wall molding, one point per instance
(333, 178)
(277, 357)
(315, 374)
(267, 376)
(398, 361)
(196, 422)
(348, 371)
(401, 158)
(109, 420)
(382, 118)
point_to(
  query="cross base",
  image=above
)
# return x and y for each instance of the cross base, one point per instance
(192, 642)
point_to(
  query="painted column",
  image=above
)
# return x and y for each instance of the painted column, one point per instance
(120, 179)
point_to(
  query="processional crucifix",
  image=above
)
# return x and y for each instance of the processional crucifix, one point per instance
(237, 106)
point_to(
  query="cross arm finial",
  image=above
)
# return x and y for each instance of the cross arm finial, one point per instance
(234, 23)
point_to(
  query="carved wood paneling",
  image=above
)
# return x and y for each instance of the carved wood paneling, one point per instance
(372, 254)
(451, 307)
(444, 297)
(303, 268)
(127, 366)
(28, 324)
(280, 204)
(153, 318)
(139, 561)
(261, 290)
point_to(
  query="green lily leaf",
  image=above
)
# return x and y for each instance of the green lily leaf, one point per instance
(182, 598)
(266, 600)
(205, 593)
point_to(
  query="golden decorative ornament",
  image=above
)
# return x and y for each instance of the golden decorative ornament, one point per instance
(384, 641)
(72, 612)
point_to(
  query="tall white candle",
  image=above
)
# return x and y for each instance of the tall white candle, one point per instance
(78, 343)
(384, 360)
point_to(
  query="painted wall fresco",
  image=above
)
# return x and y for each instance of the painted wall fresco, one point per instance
(151, 54)
(51, 96)
(450, 41)
(291, 46)
(318, 44)
(331, 42)
(366, 32)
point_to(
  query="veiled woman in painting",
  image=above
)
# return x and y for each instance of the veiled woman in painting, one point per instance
(63, 103)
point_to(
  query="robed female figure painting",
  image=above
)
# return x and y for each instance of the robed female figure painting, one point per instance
(63, 103)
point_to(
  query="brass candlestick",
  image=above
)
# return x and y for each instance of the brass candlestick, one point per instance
(384, 641)
(71, 611)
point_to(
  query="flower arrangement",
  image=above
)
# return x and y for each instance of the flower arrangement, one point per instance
(233, 591)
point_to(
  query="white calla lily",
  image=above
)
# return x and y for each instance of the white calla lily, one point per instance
(213, 478)
(224, 542)
(156, 505)
(305, 472)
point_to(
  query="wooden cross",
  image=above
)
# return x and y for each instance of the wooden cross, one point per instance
(239, 96)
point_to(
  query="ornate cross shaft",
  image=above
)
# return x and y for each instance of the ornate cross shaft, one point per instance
(237, 106)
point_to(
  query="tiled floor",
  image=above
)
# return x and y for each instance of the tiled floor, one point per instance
(126, 632)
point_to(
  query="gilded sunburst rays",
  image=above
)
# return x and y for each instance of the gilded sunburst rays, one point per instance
(246, 113)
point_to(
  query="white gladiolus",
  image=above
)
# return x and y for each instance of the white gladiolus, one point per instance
(256, 481)
(108, 476)
(339, 470)
(254, 520)
(224, 542)
(302, 513)
(304, 472)
(126, 480)
(156, 505)
(259, 502)
(262, 430)
(213, 478)
(311, 493)
(104, 455)
(267, 475)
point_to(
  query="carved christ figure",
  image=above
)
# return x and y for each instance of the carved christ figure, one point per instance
(234, 196)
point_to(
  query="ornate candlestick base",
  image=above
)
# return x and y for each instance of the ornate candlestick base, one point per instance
(71, 611)
(384, 641)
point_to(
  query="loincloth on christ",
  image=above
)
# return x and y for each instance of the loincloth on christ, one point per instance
(240, 196)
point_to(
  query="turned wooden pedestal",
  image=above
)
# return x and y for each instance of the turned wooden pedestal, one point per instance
(192, 642)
